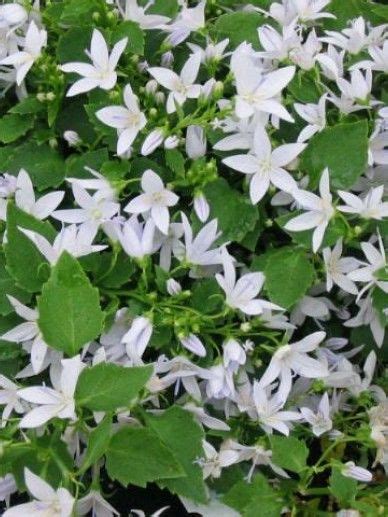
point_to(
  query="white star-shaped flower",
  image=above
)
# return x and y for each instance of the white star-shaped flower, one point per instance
(101, 73)
(128, 120)
(181, 86)
(265, 166)
(319, 211)
(241, 294)
(294, 358)
(156, 199)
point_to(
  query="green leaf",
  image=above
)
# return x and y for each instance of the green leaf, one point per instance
(69, 307)
(175, 161)
(239, 27)
(137, 456)
(14, 126)
(98, 442)
(10, 353)
(73, 116)
(119, 274)
(259, 262)
(29, 105)
(381, 11)
(44, 165)
(46, 456)
(349, 10)
(115, 170)
(288, 275)
(207, 296)
(289, 452)
(8, 286)
(78, 12)
(235, 214)
(382, 273)
(343, 149)
(247, 498)
(164, 7)
(134, 33)
(106, 386)
(75, 164)
(304, 88)
(179, 431)
(73, 43)
(24, 262)
(380, 303)
(343, 488)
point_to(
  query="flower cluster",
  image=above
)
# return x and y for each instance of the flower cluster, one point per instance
(194, 284)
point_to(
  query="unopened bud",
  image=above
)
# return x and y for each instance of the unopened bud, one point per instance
(151, 87)
(152, 142)
(167, 59)
(208, 88)
(219, 88)
(160, 97)
(171, 142)
(201, 207)
(246, 326)
(72, 137)
(142, 65)
(173, 287)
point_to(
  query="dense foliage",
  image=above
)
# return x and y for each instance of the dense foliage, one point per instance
(193, 282)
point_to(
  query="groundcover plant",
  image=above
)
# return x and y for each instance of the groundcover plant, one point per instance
(193, 282)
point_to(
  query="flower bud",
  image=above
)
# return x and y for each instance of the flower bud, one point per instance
(151, 87)
(193, 344)
(152, 142)
(167, 59)
(350, 470)
(234, 355)
(160, 97)
(208, 88)
(201, 207)
(173, 287)
(142, 66)
(137, 338)
(219, 88)
(246, 326)
(195, 142)
(72, 137)
(171, 142)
